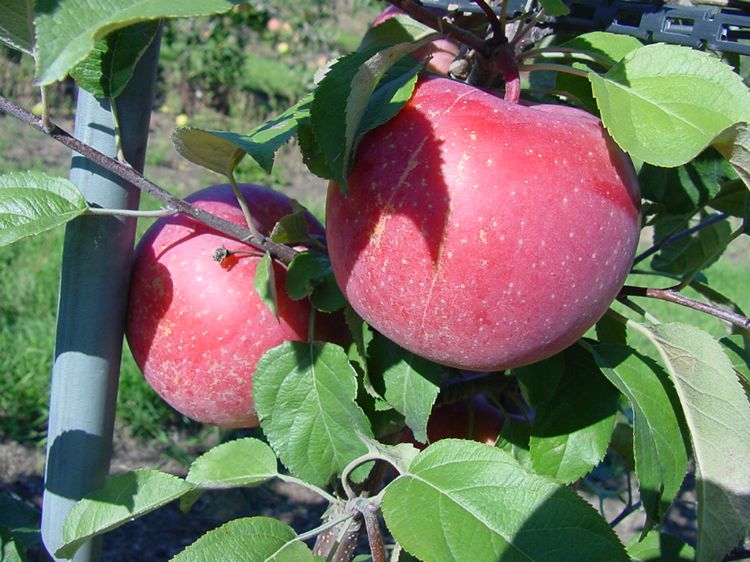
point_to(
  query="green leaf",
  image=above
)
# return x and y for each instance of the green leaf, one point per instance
(341, 100)
(123, 498)
(734, 199)
(685, 188)
(242, 462)
(664, 104)
(33, 202)
(514, 440)
(693, 253)
(305, 398)
(265, 284)
(397, 29)
(661, 455)
(554, 7)
(262, 142)
(207, 149)
(109, 67)
(660, 547)
(391, 94)
(11, 549)
(67, 30)
(411, 384)
(717, 413)
(362, 335)
(736, 349)
(17, 24)
(463, 500)
(292, 228)
(310, 274)
(249, 539)
(20, 519)
(734, 145)
(576, 408)
(611, 47)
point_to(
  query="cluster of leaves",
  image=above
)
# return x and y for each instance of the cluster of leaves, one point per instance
(326, 411)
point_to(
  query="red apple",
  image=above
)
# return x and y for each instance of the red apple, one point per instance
(197, 328)
(473, 418)
(483, 234)
(442, 52)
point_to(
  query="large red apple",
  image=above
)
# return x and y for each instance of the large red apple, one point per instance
(483, 234)
(197, 328)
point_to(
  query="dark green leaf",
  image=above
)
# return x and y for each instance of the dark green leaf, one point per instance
(242, 462)
(33, 202)
(398, 29)
(291, 229)
(514, 440)
(17, 24)
(305, 398)
(664, 104)
(123, 498)
(733, 198)
(690, 254)
(660, 547)
(661, 455)
(21, 519)
(465, 501)
(410, 383)
(250, 539)
(685, 188)
(265, 284)
(554, 7)
(576, 408)
(109, 67)
(341, 101)
(310, 274)
(11, 549)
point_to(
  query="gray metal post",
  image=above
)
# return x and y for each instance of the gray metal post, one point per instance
(91, 314)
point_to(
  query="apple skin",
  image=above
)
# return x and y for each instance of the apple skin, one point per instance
(481, 234)
(442, 52)
(197, 328)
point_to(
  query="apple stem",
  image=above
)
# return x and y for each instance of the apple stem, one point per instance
(282, 252)
(508, 67)
(369, 513)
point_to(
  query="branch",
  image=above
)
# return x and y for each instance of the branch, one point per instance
(281, 252)
(671, 295)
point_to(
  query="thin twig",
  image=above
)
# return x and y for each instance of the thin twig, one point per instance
(498, 29)
(374, 536)
(445, 28)
(679, 236)
(671, 295)
(281, 252)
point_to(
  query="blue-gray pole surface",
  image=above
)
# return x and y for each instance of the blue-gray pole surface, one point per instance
(96, 263)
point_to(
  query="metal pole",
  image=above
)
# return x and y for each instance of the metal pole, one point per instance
(96, 261)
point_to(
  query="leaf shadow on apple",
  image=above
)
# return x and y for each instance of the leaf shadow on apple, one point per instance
(399, 198)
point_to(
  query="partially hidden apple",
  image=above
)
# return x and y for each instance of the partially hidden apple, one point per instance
(441, 52)
(471, 418)
(483, 234)
(196, 327)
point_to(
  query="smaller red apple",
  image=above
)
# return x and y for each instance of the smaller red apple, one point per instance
(472, 418)
(197, 328)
